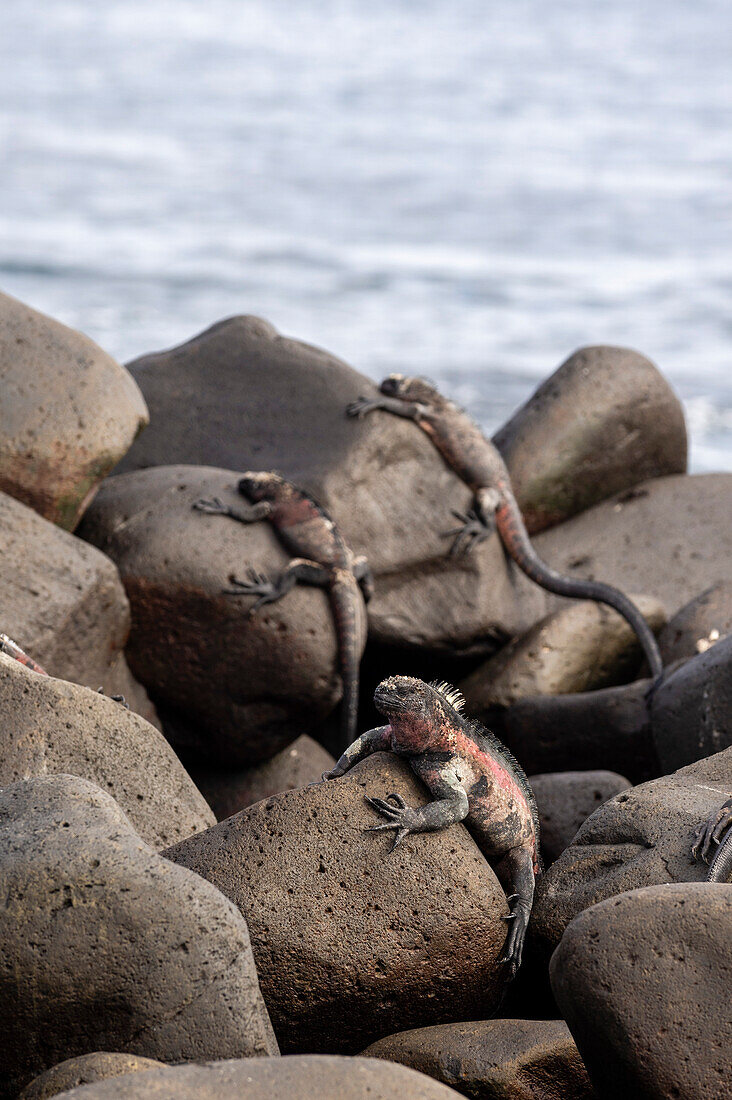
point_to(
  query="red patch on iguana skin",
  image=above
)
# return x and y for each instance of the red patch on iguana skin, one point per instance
(294, 511)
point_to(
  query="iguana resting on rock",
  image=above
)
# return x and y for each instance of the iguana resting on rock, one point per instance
(7, 645)
(322, 559)
(474, 779)
(709, 835)
(478, 463)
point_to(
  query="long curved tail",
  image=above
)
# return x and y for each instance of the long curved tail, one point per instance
(515, 537)
(7, 645)
(721, 865)
(348, 609)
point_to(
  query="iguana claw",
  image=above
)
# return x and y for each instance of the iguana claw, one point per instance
(257, 585)
(473, 529)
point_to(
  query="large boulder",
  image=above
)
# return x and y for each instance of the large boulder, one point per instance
(582, 646)
(297, 1078)
(566, 799)
(603, 421)
(231, 686)
(352, 942)
(67, 416)
(699, 625)
(87, 1069)
(63, 602)
(228, 790)
(641, 837)
(644, 983)
(51, 727)
(106, 945)
(494, 1059)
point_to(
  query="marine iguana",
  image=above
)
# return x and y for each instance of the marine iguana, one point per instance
(710, 834)
(478, 462)
(7, 645)
(474, 779)
(322, 560)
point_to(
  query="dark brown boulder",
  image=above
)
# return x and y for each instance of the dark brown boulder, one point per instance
(67, 416)
(104, 944)
(63, 602)
(231, 686)
(494, 1059)
(227, 790)
(603, 421)
(85, 1070)
(51, 727)
(566, 800)
(699, 625)
(296, 1078)
(644, 982)
(641, 837)
(352, 942)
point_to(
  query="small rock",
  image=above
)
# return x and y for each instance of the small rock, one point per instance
(103, 943)
(495, 1059)
(581, 647)
(641, 837)
(51, 727)
(604, 421)
(644, 982)
(566, 800)
(698, 625)
(352, 942)
(227, 792)
(297, 1078)
(232, 687)
(85, 1070)
(68, 413)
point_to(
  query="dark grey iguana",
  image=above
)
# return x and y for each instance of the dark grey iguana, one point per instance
(710, 835)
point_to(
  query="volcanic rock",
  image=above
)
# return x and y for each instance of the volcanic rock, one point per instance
(566, 800)
(67, 416)
(698, 625)
(106, 945)
(494, 1059)
(85, 1070)
(352, 942)
(644, 980)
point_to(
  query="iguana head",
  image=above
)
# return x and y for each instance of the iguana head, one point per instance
(261, 486)
(410, 389)
(420, 714)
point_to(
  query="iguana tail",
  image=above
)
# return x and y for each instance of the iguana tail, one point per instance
(348, 611)
(7, 645)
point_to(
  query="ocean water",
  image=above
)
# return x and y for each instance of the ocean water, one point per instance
(461, 189)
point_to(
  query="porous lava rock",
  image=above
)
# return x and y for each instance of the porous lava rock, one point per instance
(228, 790)
(494, 1059)
(52, 727)
(566, 799)
(352, 942)
(669, 537)
(699, 625)
(64, 603)
(232, 686)
(85, 1070)
(69, 412)
(603, 421)
(641, 837)
(106, 945)
(242, 397)
(643, 981)
(298, 1077)
(580, 647)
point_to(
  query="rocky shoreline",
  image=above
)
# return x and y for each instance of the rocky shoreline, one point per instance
(188, 910)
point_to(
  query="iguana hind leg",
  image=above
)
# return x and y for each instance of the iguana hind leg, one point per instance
(267, 591)
(516, 874)
(710, 836)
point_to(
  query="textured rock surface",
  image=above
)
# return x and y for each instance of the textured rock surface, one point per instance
(51, 727)
(231, 687)
(63, 602)
(566, 800)
(670, 538)
(699, 624)
(644, 982)
(352, 942)
(104, 944)
(494, 1059)
(227, 790)
(240, 396)
(85, 1070)
(603, 421)
(296, 1078)
(581, 647)
(641, 837)
(68, 413)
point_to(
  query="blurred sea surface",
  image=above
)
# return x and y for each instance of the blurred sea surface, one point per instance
(459, 189)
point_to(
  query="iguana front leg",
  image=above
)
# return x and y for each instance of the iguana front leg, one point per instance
(710, 835)
(476, 524)
(306, 572)
(410, 410)
(446, 810)
(216, 507)
(376, 740)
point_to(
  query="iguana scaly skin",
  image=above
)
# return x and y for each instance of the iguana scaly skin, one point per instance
(322, 559)
(474, 779)
(478, 463)
(7, 645)
(710, 835)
